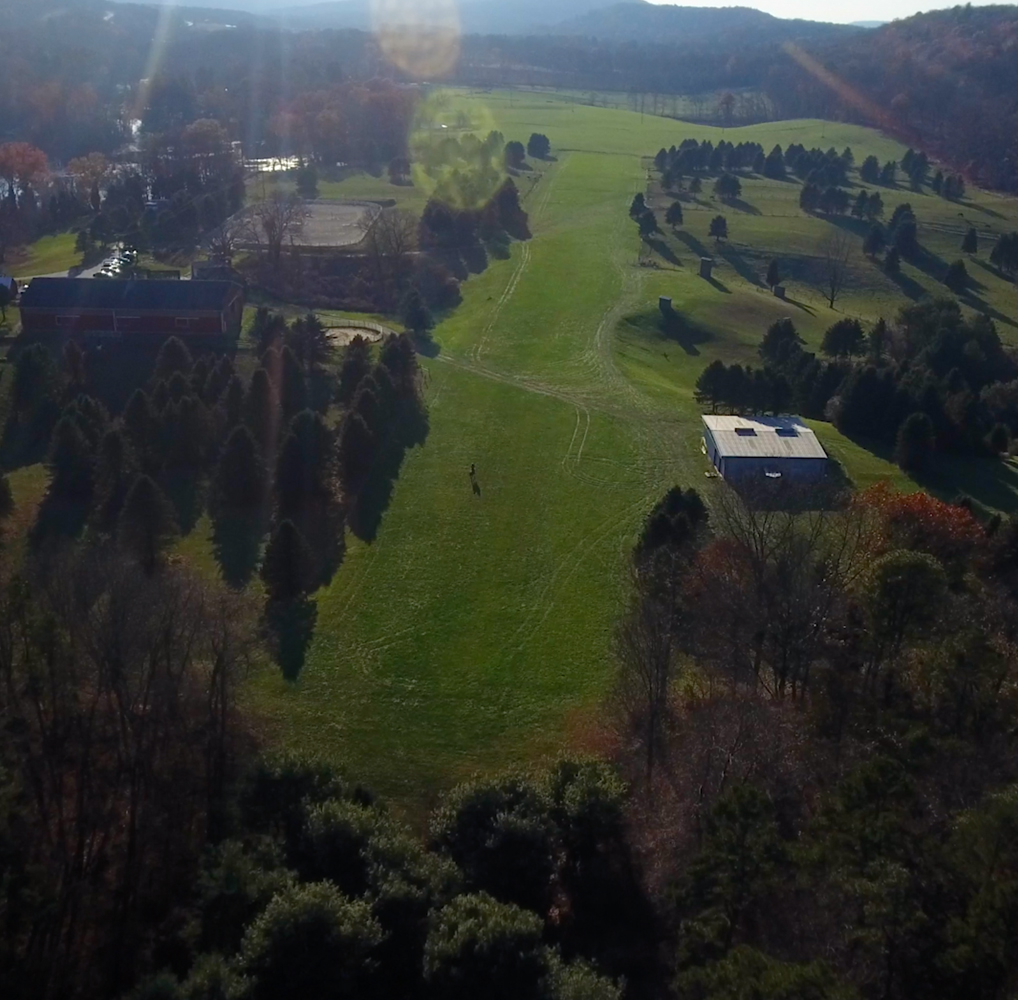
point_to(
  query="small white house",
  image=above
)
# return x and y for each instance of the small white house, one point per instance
(769, 448)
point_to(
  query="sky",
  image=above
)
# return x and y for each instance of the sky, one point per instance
(843, 11)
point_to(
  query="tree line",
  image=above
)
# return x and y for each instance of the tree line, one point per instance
(933, 369)
(815, 712)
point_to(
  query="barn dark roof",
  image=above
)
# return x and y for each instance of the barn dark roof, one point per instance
(101, 293)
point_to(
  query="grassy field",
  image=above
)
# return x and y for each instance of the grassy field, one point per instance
(47, 255)
(474, 631)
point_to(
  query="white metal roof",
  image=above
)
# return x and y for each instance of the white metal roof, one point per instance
(763, 437)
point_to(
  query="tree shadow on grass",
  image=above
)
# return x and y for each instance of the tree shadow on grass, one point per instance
(743, 206)
(741, 266)
(990, 482)
(409, 428)
(719, 285)
(679, 328)
(693, 243)
(799, 305)
(929, 263)
(973, 301)
(663, 250)
(237, 543)
(857, 227)
(909, 286)
(990, 269)
(993, 213)
(423, 344)
(290, 627)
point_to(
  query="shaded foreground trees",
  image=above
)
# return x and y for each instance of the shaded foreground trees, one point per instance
(839, 726)
(136, 715)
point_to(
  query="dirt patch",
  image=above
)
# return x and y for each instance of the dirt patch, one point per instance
(342, 335)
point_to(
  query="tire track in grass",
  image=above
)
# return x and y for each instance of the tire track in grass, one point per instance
(477, 352)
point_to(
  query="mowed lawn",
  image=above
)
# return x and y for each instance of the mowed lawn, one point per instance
(47, 255)
(474, 631)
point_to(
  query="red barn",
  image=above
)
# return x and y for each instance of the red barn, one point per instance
(132, 309)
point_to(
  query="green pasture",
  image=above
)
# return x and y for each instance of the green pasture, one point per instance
(47, 255)
(474, 630)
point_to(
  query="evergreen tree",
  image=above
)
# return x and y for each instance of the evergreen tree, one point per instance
(774, 165)
(356, 450)
(286, 567)
(178, 386)
(638, 206)
(888, 173)
(232, 402)
(515, 155)
(673, 214)
(874, 241)
(293, 392)
(261, 412)
(647, 221)
(1005, 253)
(892, 262)
(35, 379)
(870, 170)
(957, 277)
(70, 462)
(310, 343)
(142, 426)
(773, 274)
(399, 356)
(780, 340)
(356, 364)
(809, 198)
(304, 467)
(415, 314)
(148, 523)
(539, 147)
(727, 187)
(711, 385)
(173, 357)
(718, 228)
(240, 475)
(970, 244)
(115, 472)
(844, 339)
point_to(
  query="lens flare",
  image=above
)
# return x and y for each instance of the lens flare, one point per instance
(457, 154)
(848, 94)
(420, 37)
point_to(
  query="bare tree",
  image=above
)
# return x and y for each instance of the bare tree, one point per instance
(390, 241)
(274, 220)
(222, 243)
(834, 252)
(645, 650)
(117, 690)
